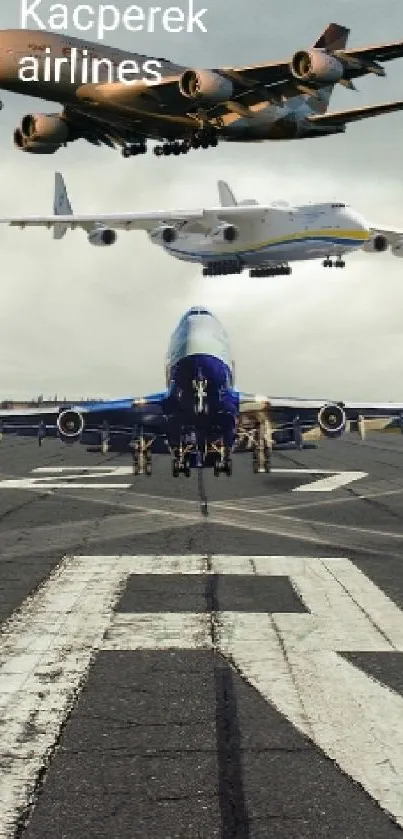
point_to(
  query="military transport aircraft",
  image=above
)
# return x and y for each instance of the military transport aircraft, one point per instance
(234, 236)
(180, 107)
(201, 417)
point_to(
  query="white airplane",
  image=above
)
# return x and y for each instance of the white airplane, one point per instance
(233, 236)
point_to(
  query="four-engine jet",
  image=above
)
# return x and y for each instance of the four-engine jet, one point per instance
(201, 416)
(234, 236)
(180, 107)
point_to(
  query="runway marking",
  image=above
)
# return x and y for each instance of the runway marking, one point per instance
(71, 475)
(291, 659)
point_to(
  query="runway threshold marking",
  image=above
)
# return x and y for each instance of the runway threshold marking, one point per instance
(71, 475)
(291, 659)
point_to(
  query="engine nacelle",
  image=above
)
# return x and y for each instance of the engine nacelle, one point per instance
(164, 234)
(316, 66)
(102, 236)
(70, 425)
(397, 249)
(41, 133)
(205, 86)
(225, 233)
(376, 244)
(332, 420)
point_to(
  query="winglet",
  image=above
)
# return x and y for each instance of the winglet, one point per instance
(61, 205)
(227, 197)
(334, 37)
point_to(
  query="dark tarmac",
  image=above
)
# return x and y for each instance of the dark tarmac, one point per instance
(165, 673)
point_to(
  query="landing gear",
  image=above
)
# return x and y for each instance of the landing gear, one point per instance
(338, 263)
(226, 266)
(181, 463)
(203, 139)
(133, 149)
(271, 271)
(141, 455)
(223, 462)
(262, 448)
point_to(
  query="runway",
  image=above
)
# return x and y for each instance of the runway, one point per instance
(169, 673)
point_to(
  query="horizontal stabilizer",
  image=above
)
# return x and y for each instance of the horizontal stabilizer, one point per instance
(339, 118)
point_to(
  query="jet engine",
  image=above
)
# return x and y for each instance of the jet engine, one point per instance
(397, 249)
(41, 133)
(164, 234)
(102, 236)
(377, 244)
(316, 66)
(332, 420)
(225, 233)
(205, 86)
(70, 424)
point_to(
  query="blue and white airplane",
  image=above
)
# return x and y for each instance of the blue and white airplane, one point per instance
(201, 418)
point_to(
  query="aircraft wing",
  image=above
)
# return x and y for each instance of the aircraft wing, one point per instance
(137, 221)
(315, 418)
(335, 119)
(114, 417)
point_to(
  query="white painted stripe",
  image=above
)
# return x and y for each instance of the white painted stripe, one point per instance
(71, 475)
(292, 659)
(340, 479)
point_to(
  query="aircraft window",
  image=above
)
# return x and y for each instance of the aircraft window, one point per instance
(341, 206)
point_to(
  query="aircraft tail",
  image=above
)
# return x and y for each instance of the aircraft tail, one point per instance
(334, 37)
(227, 197)
(61, 205)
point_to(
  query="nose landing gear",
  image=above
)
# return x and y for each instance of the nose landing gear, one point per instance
(338, 263)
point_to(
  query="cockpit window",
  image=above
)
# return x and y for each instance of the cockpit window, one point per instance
(338, 206)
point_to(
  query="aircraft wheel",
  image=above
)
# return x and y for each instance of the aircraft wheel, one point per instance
(228, 469)
(186, 470)
(216, 469)
(126, 151)
(149, 469)
(175, 469)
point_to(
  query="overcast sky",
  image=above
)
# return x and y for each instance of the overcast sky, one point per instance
(79, 320)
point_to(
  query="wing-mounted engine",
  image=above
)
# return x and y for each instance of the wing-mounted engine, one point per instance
(376, 244)
(316, 66)
(164, 234)
(332, 420)
(225, 233)
(102, 236)
(42, 133)
(205, 87)
(70, 425)
(397, 249)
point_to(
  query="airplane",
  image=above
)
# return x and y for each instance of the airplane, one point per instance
(201, 418)
(234, 236)
(182, 108)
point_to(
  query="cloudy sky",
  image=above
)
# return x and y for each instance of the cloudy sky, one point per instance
(78, 320)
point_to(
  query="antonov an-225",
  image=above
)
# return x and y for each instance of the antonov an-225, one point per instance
(232, 237)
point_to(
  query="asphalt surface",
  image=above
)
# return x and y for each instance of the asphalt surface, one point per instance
(170, 673)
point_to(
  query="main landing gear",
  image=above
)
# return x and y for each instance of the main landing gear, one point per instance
(329, 263)
(261, 448)
(223, 461)
(133, 149)
(200, 140)
(226, 266)
(271, 271)
(141, 455)
(181, 461)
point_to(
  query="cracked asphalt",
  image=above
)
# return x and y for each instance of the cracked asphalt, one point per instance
(194, 732)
